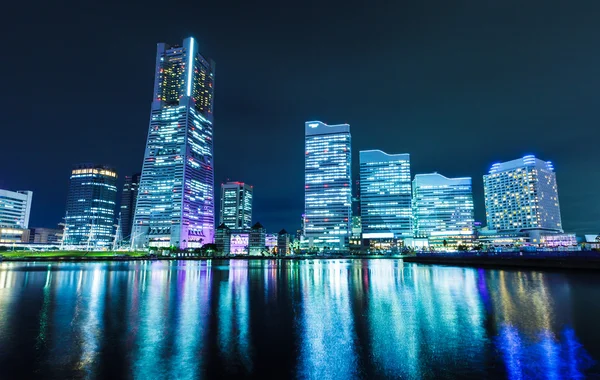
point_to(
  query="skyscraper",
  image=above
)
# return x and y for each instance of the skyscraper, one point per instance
(443, 208)
(385, 195)
(15, 207)
(236, 205)
(91, 202)
(328, 185)
(522, 194)
(175, 205)
(128, 200)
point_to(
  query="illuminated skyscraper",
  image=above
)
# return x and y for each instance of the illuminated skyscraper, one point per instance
(236, 205)
(443, 208)
(328, 184)
(91, 202)
(175, 205)
(522, 194)
(128, 200)
(385, 195)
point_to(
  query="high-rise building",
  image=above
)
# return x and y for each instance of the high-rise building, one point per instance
(128, 200)
(236, 205)
(385, 195)
(91, 202)
(522, 194)
(15, 207)
(328, 185)
(443, 209)
(175, 205)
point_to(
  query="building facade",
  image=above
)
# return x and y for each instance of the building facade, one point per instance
(15, 207)
(236, 205)
(385, 195)
(41, 235)
(522, 194)
(443, 209)
(128, 201)
(175, 205)
(90, 212)
(328, 185)
(283, 243)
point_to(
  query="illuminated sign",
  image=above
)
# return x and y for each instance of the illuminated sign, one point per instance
(314, 125)
(379, 235)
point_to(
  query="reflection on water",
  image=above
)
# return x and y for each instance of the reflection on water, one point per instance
(310, 319)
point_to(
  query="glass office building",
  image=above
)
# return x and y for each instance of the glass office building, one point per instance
(128, 200)
(443, 209)
(327, 186)
(91, 202)
(236, 205)
(522, 194)
(175, 204)
(385, 195)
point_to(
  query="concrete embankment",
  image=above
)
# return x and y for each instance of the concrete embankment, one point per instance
(514, 262)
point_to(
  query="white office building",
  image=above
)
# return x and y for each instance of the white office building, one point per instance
(15, 207)
(443, 208)
(328, 185)
(385, 195)
(522, 194)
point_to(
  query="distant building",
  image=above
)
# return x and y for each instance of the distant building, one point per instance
(10, 235)
(522, 194)
(236, 205)
(223, 239)
(443, 209)
(41, 235)
(175, 205)
(128, 201)
(385, 195)
(257, 239)
(283, 243)
(328, 185)
(15, 207)
(90, 212)
(271, 242)
(247, 241)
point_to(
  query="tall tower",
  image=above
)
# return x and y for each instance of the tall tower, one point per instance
(522, 194)
(128, 200)
(175, 205)
(236, 205)
(385, 195)
(327, 185)
(91, 202)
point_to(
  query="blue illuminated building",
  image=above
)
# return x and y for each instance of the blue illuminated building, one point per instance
(328, 191)
(385, 195)
(175, 205)
(443, 209)
(91, 202)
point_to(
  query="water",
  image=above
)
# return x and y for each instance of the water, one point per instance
(320, 319)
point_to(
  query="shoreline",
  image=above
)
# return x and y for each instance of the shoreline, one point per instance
(194, 258)
(572, 263)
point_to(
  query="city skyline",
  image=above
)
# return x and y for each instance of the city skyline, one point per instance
(516, 84)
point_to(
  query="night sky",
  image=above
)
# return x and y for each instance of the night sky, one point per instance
(457, 84)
